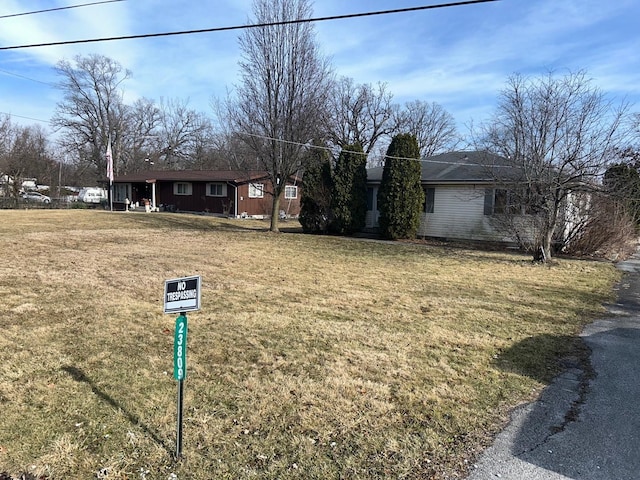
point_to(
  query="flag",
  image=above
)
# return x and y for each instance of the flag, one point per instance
(109, 161)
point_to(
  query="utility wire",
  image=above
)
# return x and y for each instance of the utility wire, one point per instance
(253, 25)
(26, 118)
(333, 149)
(6, 72)
(58, 8)
(310, 145)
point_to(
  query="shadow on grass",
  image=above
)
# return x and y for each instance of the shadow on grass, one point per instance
(185, 221)
(80, 377)
(194, 221)
(544, 356)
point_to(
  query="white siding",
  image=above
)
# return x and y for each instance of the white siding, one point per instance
(459, 213)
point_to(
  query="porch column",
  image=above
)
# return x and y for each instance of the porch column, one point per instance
(153, 196)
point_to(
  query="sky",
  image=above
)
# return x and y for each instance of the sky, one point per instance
(459, 57)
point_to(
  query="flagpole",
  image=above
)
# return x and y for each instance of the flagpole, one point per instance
(109, 156)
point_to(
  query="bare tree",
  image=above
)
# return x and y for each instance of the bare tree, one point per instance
(232, 151)
(138, 137)
(91, 109)
(226, 149)
(11, 170)
(557, 135)
(180, 131)
(283, 94)
(431, 124)
(205, 154)
(24, 153)
(361, 114)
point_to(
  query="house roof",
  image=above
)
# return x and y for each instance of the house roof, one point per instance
(150, 176)
(455, 167)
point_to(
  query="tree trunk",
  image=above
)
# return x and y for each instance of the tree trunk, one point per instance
(544, 250)
(275, 214)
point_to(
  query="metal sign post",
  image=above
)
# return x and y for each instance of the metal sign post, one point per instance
(181, 295)
(180, 371)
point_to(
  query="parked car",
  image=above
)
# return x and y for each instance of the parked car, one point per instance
(35, 197)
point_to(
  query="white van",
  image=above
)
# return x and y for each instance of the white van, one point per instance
(92, 195)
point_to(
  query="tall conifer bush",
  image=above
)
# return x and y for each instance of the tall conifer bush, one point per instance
(349, 199)
(400, 197)
(315, 203)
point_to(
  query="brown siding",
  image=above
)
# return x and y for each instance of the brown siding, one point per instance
(263, 206)
(253, 206)
(291, 206)
(198, 201)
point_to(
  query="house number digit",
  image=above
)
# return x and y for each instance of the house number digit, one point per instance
(180, 348)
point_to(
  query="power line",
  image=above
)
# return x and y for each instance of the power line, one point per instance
(58, 8)
(26, 118)
(332, 150)
(256, 25)
(6, 72)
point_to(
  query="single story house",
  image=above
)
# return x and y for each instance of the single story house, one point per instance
(230, 193)
(462, 200)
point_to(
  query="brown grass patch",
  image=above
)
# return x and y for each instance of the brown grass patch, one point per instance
(312, 357)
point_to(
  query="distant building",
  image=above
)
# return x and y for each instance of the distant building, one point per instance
(462, 200)
(221, 192)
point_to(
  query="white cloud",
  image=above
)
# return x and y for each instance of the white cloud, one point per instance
(459, 57)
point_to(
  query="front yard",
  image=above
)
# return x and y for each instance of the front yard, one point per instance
(312, 357)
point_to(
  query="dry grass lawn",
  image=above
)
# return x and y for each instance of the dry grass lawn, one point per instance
(312, 357)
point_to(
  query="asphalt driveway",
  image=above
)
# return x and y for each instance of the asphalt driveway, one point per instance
(582, 428)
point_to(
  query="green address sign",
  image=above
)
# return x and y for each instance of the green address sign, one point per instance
(180, 348)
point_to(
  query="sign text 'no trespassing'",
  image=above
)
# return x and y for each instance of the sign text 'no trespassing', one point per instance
(182, 295)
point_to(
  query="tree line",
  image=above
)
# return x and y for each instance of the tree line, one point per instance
(562, 169)
(290, 115)
(288, 97)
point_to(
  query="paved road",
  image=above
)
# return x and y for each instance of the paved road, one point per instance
(603, 442)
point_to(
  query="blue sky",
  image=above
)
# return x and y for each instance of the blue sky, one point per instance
(459, 57)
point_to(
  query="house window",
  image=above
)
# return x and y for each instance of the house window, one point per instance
(256, 190)
(182, 188)
(494, 201)
(216, 189)
(499, 201)
(121, 191)
(429, 199)
(290, 192)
